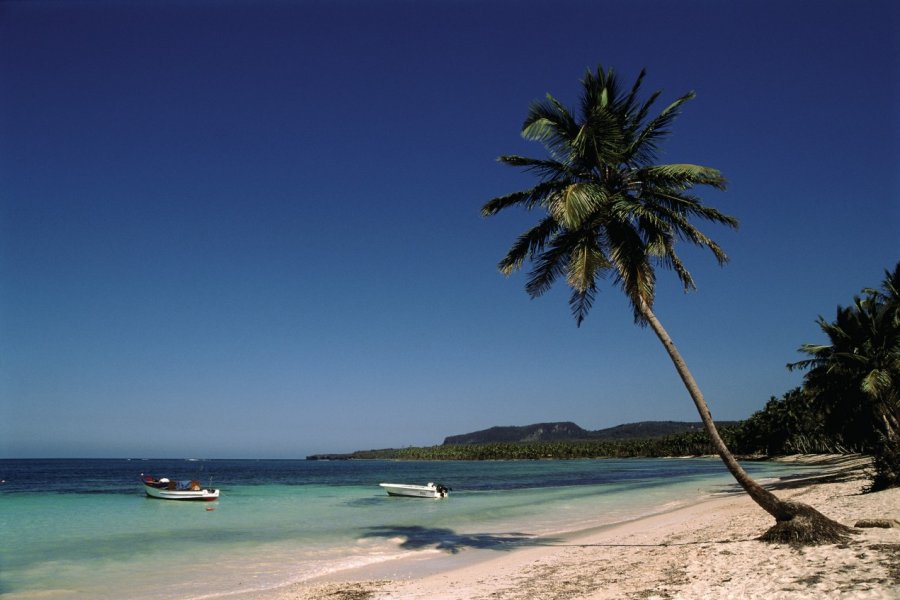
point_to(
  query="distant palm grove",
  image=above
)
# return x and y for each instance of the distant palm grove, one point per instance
(849, 402)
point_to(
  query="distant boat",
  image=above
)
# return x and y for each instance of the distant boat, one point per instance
(165, 489)
(432, 490)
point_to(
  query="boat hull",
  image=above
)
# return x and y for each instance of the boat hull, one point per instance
(163, 494)
(164, 489)
(415, 491)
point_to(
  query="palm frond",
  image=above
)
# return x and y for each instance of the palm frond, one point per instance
(687, 280)
(565, 117)
(681, 176)
(580, 303)
(628, 104)
(600, 140)
(659, 235)
(801, 364)
(574, 203)
(543, 168)
(527, 198)
(600, 137)
(645, 146)
(636, 121)
(586, 262)
(548, 267)
(591, 85)
(551, 123)
(686, 205)
(876, 382)
(634, 273)
(528, 245)
(679, 225)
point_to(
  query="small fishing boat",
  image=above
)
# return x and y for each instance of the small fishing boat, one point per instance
(432, 490)
(166, 489)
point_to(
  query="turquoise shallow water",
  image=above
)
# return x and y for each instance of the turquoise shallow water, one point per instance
(85, 529)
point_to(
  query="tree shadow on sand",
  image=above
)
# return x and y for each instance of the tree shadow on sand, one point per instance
(416, 537)
(799, 480)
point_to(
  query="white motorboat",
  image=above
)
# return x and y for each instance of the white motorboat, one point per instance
(432, 490)
(165, 489)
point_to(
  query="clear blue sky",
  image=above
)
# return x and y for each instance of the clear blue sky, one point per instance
(251, 228)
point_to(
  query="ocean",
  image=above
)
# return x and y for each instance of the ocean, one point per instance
(79, 529)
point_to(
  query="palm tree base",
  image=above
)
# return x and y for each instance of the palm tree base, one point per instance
(886, 461)
(802, 525)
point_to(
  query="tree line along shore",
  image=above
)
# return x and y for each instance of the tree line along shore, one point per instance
(848, 403)
(688, 443)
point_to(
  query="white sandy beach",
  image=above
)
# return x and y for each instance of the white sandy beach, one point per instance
(707, 550)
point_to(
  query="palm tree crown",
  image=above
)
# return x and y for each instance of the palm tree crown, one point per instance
(856, 376)
(609, 210)
(865, 342)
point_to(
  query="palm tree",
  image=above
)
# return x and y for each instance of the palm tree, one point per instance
(610, 212)
(856, 376)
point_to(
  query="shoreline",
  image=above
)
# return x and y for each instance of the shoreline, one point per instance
(707, 549)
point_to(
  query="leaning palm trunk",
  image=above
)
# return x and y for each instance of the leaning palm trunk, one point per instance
(611, 211)
(796, 523)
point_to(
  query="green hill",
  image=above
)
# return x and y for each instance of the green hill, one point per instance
(568, 431)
